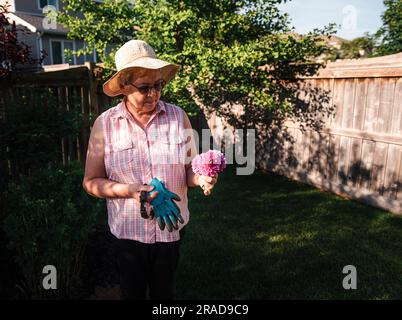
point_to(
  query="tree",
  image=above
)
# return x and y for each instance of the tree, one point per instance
(359, 47)
(390, 34)
(221, 45)
(12, 51)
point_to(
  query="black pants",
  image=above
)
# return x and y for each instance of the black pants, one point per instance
(149, 267)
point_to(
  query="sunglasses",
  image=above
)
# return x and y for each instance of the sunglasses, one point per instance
(146, 89)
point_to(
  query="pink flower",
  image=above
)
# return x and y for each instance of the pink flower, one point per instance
(209, 163)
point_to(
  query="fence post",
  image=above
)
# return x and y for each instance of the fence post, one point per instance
(93, 87)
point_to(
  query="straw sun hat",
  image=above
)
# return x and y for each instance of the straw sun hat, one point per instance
(137, 54)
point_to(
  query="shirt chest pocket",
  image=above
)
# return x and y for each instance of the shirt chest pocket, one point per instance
(122, 154)
(169, 150)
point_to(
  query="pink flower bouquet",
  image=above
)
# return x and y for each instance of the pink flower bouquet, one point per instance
(209, 163)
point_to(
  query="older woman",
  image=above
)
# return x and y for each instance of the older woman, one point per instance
(130, 144)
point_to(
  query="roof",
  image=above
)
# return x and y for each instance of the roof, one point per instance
(334, 38)
(35, 23)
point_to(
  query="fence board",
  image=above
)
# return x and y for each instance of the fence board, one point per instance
(339, 89)
(372, 105)
(74, 106)
(62, 102)
(333, 153)
(299, 149)
(348, 103)
(315, 154)
(324, 156)
(85, 128)
(286, 148)
(391, 171)
(379, 164)
(396, 126)
(399, 183)
(359, 105)
(325, 90)
(368, 148)
(281, 153)
(387, 90)
(291, 159)
(328, 87)
(355, 162)
(305, 151)
(343, 160)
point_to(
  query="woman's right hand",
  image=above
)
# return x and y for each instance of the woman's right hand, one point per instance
(135, 191)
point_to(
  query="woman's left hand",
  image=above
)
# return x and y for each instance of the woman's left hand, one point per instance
(207, 183)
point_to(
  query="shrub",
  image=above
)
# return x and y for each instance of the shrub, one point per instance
(48, 221)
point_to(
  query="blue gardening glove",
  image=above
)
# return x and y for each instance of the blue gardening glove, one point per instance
(164, 208)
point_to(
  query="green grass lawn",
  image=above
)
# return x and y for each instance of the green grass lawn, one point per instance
(266, 237)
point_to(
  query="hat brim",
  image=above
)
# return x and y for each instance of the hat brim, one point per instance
(112, 86)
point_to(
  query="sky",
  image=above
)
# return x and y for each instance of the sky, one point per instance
(353, 17)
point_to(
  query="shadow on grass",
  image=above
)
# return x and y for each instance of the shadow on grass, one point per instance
(266, 237)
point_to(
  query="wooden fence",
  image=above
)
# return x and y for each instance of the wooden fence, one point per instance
(75, 88)
(358, 151)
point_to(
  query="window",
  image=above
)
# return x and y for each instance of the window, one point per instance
(90, 56)
(57, 57)
(44, 3)
(68, 57)
(58, 54)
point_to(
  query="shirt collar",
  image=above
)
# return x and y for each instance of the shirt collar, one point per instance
(122, 112)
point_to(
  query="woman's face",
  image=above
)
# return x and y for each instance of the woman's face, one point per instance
(144, 101)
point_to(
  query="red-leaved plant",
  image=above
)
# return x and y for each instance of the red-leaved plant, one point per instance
(12, 51)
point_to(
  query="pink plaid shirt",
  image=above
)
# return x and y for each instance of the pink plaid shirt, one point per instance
(135, 155)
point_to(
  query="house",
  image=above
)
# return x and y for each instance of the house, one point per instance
(43, 34)
(335, 41)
